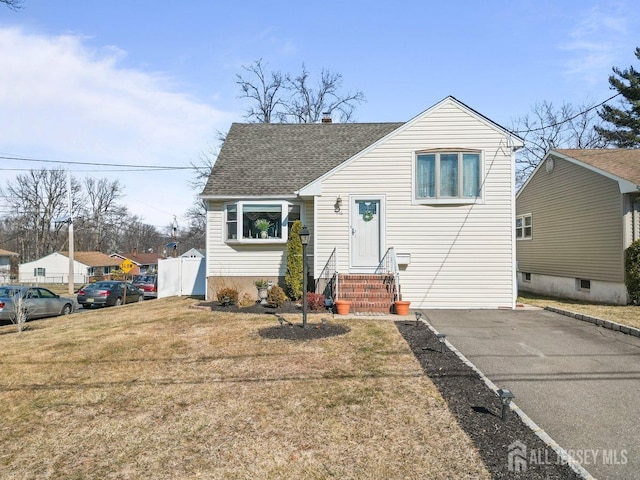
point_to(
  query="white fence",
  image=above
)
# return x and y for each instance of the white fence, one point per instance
(181, 276)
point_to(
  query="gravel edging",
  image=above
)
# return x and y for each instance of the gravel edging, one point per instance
(608, 324)
(477, 410)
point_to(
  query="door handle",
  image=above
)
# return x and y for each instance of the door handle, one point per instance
(353, 231)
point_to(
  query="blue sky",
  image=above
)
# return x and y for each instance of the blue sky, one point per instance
(151, 82)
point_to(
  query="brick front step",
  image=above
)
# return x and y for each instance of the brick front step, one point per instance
(368, 293)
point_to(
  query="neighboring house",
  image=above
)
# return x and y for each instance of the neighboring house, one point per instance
(143, 262)
(194, 253)
(436, 193)
(6, 258)
(54, 268)
(576, 214)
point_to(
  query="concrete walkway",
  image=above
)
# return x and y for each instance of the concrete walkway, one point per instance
(577, 381)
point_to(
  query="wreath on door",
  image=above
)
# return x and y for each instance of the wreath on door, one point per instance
(367, 216)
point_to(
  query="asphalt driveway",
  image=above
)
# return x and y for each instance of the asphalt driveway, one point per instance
(578, 382)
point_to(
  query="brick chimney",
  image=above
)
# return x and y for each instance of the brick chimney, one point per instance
(326, 117)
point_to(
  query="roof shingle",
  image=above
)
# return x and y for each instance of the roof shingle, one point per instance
(622, 162)
(272, 159)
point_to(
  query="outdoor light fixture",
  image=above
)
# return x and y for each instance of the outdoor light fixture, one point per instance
(337, 206)
(441, 338)
(418, 317)
(324, 322)
(304, 239)
(505, 397)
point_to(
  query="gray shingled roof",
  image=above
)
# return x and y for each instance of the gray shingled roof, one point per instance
(622, 162)
(260, 159)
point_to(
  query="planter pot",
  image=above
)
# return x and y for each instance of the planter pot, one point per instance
(402, 307)
(263, 293)
(342, 307)
(264, 234)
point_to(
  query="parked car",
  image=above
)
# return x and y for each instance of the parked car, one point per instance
(108, 293)
(35, 302)
(148, 284)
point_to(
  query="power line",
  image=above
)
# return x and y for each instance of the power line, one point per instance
(99, 164)
(568, 119)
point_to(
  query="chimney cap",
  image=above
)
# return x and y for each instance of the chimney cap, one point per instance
(326, 117)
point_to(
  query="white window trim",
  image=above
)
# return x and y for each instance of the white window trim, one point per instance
(415, 200)
(259, 241)
(522, 217)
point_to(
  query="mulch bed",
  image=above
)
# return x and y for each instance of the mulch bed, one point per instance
(257, 308)
(283, 328)
(478, 411)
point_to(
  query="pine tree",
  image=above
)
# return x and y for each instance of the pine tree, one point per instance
(626, 119)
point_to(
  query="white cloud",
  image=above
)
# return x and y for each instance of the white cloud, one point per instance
(595, 42)
(66, 101)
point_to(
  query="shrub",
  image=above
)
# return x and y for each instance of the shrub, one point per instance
(276, 297)
(227, 296)
(293, 276)
(246, 300)
(632, 271)
(315, 302)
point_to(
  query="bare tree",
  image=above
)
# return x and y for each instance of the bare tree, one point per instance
(12, 4)
(36, 200)
(278, 97)
(547, 127)
(264, 89)
(307, 104)
(101, 218)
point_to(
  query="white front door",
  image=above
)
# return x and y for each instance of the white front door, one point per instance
(366, 229)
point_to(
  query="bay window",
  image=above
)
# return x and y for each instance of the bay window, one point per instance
(447, 175)
(260, 221)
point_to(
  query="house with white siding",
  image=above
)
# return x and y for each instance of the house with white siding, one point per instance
(7, 258)
(428, 205)
(575, 216)
(54, 268)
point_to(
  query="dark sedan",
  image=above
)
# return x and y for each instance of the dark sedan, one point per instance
(108, 293)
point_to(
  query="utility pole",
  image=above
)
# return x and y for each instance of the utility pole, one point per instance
(71, 245)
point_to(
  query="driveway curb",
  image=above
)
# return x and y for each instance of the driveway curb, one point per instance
(608, 324)
(544, 436)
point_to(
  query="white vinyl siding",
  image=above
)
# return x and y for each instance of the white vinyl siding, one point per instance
(462, 256)
(264, 259)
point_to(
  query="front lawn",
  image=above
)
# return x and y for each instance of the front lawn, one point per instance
(624, 314)
(157, 390)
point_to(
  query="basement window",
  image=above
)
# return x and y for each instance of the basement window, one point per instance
(526, 277)
(583, 284)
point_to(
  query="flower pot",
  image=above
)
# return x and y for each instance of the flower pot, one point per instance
(402, 307)
(264, 234)
(342, 307)
(263, 293)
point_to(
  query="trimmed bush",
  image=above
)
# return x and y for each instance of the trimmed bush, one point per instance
(227, 296)
(276, 296)
(246, 300)
(315, 302)
(632, 271)
(293, 276)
